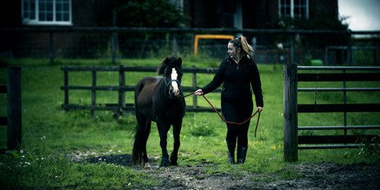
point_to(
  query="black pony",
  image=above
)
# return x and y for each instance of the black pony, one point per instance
(159, 99)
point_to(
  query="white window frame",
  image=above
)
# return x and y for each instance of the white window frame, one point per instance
(292, 9)
(36, 20)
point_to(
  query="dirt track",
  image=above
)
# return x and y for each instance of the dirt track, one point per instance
(312, 176)
(308, 176)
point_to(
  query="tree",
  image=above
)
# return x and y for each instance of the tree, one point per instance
(140, 13)
(318, 22)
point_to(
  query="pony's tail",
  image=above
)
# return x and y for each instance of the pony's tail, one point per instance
(137, 152)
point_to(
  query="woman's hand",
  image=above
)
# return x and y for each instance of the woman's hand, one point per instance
(198, 92)
(259, 109)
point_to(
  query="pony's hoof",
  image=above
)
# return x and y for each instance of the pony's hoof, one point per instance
(165, 163)
(173, 160)
(174, 163)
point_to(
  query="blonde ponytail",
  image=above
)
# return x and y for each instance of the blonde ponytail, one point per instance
(247, 49)
(241, 42)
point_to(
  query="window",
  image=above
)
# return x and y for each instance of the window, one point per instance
(46, 12)
(293, 8)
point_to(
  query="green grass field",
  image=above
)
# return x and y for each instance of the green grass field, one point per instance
(51, 136)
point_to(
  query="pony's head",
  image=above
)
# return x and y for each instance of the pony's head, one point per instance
(172, 72)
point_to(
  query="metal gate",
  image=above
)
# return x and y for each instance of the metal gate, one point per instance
(293, 141)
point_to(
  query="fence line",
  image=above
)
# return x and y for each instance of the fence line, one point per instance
(343, 49)
(13, 120)
(114, 35)
(292, 108)
(121, 106)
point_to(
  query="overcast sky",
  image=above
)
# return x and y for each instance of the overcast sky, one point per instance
(363, 14)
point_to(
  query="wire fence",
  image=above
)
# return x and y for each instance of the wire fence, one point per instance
(271, 46)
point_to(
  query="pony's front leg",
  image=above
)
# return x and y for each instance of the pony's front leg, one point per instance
(163, 129)
(176, 131)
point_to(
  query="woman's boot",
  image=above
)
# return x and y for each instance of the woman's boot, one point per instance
(231, 153)
(241, 153)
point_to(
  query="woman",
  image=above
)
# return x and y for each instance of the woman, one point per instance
(237, 73)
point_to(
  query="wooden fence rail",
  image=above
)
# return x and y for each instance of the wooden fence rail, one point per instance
(13, 120)
(292, 108)
(121, 88)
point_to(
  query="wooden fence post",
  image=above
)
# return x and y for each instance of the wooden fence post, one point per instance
(290, 113)
(292, 57)
(66, 90)
(93, 93)
(195, 100)
(14, 107)
(113, 47)
(121, 90)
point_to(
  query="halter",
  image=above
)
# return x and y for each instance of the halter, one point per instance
(168, 84)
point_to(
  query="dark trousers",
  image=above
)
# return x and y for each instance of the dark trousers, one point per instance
(237, 111)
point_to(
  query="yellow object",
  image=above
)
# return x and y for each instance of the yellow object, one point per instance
(209, 36)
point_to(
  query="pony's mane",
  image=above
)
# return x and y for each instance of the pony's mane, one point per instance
(165, 63)
(162, 67)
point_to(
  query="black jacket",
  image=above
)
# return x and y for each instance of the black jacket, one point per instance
(237, 80)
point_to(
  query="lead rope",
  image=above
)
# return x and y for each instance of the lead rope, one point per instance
(235, 123)
(186, 95)
(257, 123)
(230, 122)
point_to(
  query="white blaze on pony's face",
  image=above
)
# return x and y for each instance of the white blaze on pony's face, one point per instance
(174, 83)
